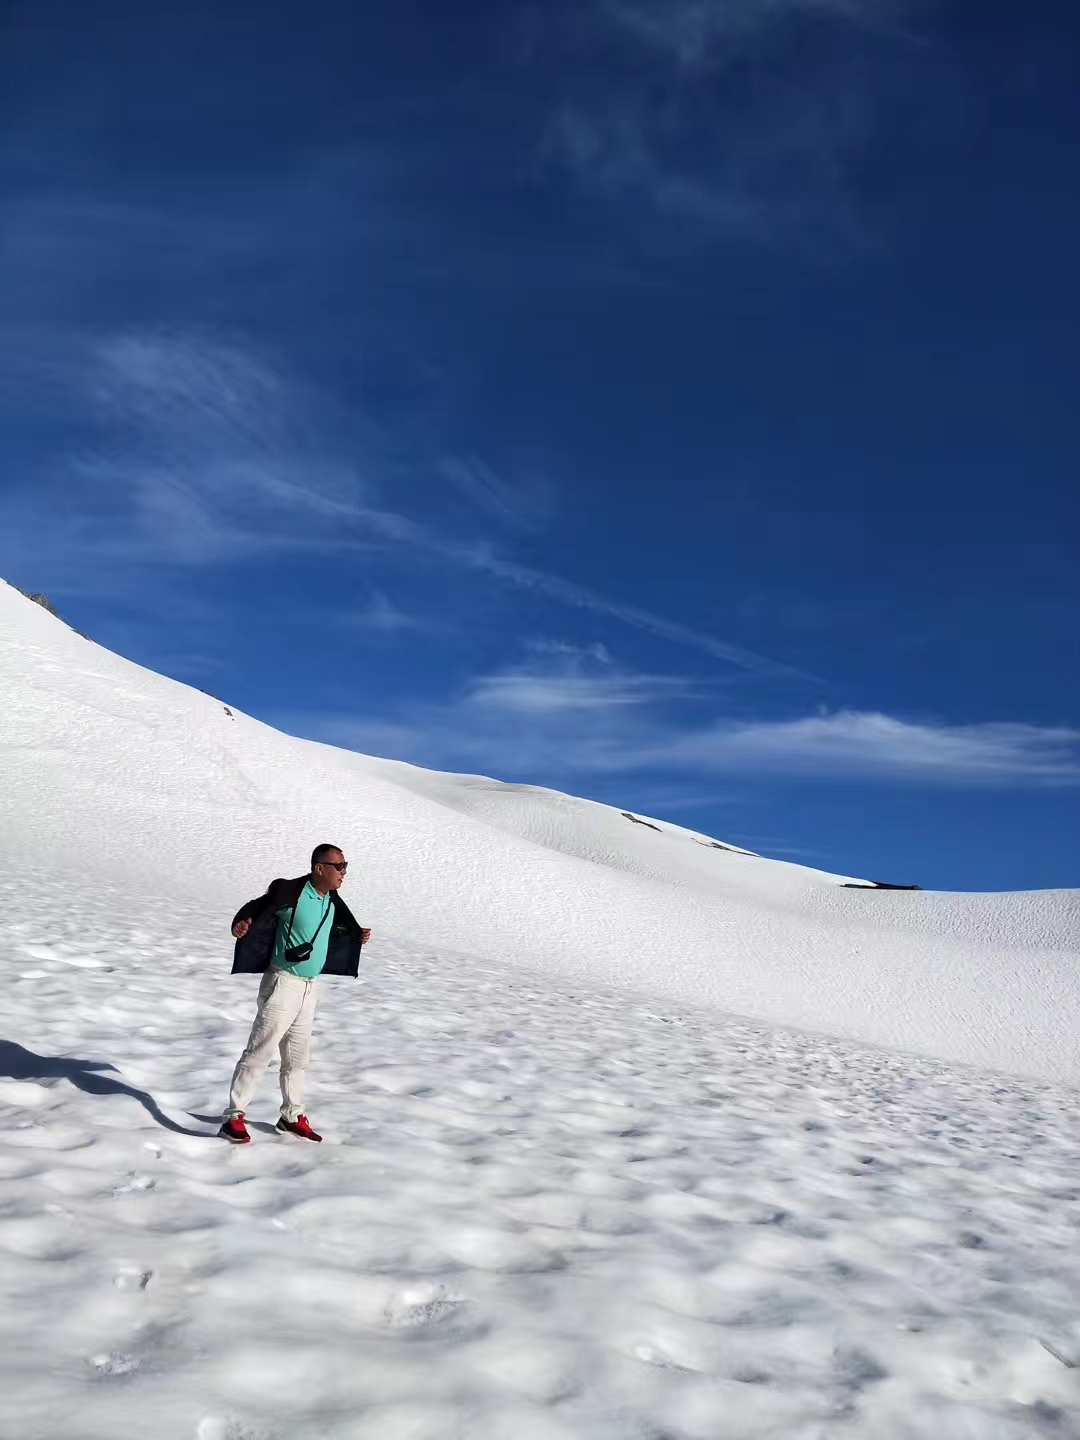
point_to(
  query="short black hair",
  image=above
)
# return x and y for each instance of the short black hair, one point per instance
(322, 851)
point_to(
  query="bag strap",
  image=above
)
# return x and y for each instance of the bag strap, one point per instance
(322, 922)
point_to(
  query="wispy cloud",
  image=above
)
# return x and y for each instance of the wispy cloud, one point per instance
(380, 616)
(720, 114)
(563, 678)
(519, 501)
(188, 388)
(199, 451)
(869, 743)
(544, 695)
(561, 713)
(704, 33)
(177, 446)
(561, 710)
(580, 597)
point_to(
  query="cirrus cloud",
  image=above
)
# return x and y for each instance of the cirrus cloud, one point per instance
(737, 118)
(565, 712)
(872, 743)
(196, 450)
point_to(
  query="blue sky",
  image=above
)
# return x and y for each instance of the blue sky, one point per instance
(673, 403)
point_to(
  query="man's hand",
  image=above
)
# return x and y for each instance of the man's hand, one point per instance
(365, 936)
(241, 928)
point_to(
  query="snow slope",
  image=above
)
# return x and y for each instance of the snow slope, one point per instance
(115, 772)
(545, 1208)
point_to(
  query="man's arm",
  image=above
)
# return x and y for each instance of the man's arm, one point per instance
(348, 922)
(252, 910)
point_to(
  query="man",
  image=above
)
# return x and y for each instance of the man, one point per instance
(296, 931)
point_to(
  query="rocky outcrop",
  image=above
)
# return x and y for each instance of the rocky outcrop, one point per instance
(876, 885)
(648, 824)
(46, 604)
(43, 601)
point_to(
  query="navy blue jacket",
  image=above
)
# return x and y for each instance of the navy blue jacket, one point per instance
(252, 954)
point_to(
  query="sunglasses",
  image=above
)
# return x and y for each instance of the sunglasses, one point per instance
(339, 865)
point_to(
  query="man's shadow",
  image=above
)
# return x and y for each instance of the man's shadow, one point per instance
(18, 1063)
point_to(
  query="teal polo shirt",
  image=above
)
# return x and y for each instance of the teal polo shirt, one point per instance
(310, 909)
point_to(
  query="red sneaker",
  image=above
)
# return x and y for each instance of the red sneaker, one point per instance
(299, 1126)
(235, 1130)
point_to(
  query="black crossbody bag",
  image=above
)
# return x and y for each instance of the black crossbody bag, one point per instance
(297, 954)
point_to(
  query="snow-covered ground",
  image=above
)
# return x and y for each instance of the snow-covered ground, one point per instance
(562, 1194)
(540, 1212)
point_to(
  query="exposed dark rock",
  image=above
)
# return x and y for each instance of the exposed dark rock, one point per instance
(219, 700)
(876, 885)
(627, 816)
(46, 604)
(43, 601)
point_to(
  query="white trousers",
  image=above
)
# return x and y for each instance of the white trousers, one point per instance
(282, 1024)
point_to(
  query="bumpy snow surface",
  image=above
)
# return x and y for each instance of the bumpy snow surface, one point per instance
(561, 1193)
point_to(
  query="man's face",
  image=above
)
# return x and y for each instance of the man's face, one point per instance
(331, 870)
